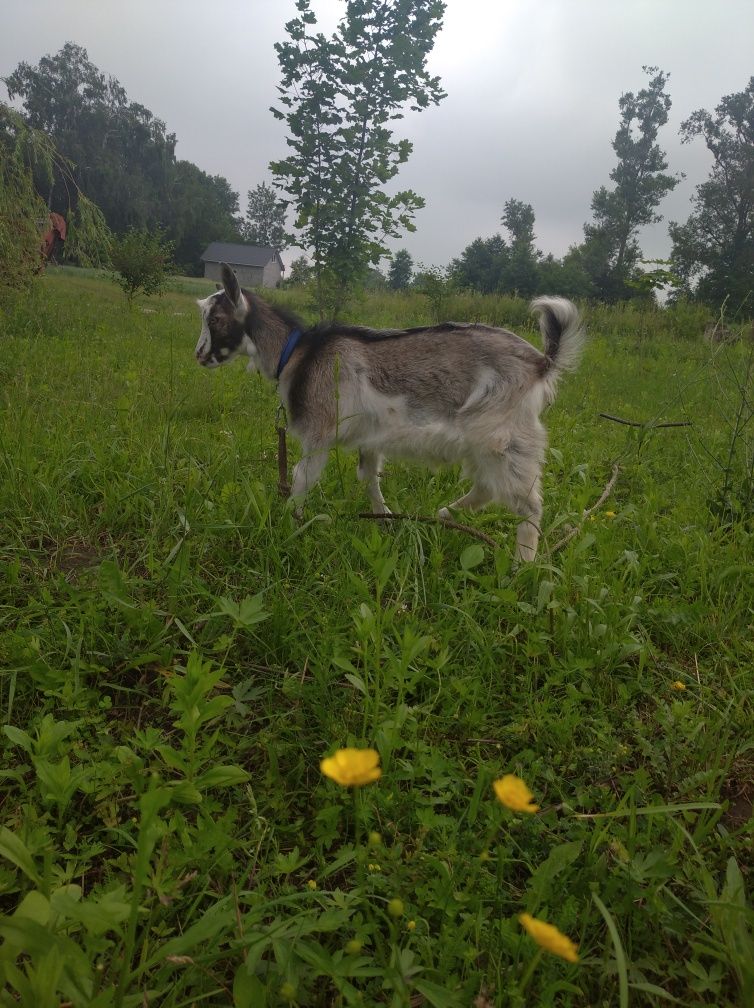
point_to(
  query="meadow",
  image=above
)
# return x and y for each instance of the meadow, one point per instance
(178, 653)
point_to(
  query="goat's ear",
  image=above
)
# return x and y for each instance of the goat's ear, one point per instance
(231, 286)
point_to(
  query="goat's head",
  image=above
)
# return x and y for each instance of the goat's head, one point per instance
(223, 334)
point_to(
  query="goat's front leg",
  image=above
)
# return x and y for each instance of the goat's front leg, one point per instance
(305, 475)
(370, 464)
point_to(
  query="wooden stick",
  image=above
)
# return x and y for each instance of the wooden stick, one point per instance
(446, 522)
(635, 423)
(602, 498)
(284, 487)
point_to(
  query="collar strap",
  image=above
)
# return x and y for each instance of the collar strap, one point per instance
(285, 354)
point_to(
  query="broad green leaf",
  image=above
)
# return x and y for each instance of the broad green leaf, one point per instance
(357, 682)
(16, 851)
(472, 556)
(19, 738)
(99, 914)
(35, 906)
(248, 990)
(222, 776)
(208, 928)
(439, 997)
(559, 858)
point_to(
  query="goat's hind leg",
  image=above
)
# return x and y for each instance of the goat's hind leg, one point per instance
(370, 464)
(511, 479)
(521, 491)
(529, 507)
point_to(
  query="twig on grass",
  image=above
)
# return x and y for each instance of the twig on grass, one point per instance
(649, 426)
(426, 519)
(602, 498)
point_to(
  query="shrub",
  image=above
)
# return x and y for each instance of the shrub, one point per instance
(141, 259)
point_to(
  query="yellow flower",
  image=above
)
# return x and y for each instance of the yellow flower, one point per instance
(354, 946)
(395, 907)
(352, 767)
(512, 791)
(678, 685)
(609, 514)
(411, 925)
(311, 884)
(548, 937)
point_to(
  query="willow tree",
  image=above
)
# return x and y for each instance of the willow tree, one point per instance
(26, 155)
(339, 96)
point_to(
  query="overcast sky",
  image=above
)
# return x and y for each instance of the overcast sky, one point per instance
(531, 108)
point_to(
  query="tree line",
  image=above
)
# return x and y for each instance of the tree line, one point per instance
(340, 96)
(712, 258)
(123, 158)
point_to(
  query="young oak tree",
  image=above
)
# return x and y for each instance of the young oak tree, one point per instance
(340, 95)
(610, 252)
(265, 218)
(714, 250)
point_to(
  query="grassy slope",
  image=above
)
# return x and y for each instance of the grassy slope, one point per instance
(139, 511)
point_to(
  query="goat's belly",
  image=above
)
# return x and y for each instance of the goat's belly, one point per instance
(435, 443)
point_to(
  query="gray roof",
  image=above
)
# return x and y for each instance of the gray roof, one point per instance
(240, 255)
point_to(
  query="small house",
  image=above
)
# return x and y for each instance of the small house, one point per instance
(254, 265)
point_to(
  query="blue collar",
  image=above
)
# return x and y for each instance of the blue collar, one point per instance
(285, 353)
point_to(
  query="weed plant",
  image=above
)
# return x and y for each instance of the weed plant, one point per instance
(177, 655)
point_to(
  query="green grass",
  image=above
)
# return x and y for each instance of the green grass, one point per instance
(177, 654)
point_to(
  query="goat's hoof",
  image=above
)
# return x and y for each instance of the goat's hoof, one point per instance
(444, 514)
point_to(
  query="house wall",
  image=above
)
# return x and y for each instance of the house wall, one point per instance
(248, 276)
(272, 274)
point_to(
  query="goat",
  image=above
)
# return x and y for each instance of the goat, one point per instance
(454, 392)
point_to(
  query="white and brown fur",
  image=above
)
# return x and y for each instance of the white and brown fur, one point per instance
(439, 394)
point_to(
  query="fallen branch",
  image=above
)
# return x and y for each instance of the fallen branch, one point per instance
(445, 522)
(602, 498)
(651, 426)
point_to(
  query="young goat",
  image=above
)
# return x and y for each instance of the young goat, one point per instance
(440, 394)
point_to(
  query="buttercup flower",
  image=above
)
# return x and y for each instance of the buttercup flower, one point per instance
(548, 937)
(609, 514)
(678, 685)
(395, 907)
(352, 767)
(512, 791)
(311, 884)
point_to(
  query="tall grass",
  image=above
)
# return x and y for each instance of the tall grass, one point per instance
(177, 654)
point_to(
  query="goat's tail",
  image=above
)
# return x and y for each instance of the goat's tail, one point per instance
(562, 332)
